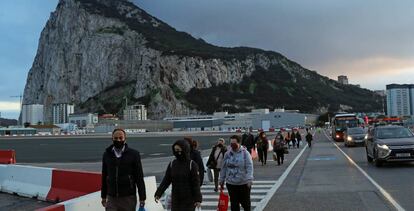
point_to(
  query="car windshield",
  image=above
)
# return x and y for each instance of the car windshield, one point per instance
(355, 131)
(387, 133)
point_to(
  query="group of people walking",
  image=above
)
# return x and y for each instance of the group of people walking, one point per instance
(122, 173)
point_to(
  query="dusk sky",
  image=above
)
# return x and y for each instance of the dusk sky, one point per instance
(370, 41)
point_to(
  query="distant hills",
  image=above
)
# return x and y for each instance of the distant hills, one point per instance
(7, 122)
(99, 54)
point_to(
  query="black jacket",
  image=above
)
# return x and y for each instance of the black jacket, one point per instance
(309, 137)
(183, 175)
(195, 155)
(212, 158)
(121, 176)
(248, 141)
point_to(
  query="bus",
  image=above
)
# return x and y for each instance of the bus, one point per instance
(340, 123)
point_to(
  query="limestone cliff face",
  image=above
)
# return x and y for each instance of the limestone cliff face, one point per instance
(97, 53)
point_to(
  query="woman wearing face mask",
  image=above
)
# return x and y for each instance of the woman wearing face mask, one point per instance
(215, 160)
(237, 172)
(182, 173)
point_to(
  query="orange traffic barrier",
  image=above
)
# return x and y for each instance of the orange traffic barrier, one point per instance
(72, 184)
(7, 157)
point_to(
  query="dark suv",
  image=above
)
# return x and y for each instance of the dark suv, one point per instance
(389, 144)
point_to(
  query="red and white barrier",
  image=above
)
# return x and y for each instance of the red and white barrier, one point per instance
(93, 201)
(7, 157)
(28, 181)
(78, 190)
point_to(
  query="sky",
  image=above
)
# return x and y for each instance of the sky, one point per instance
(370, 41)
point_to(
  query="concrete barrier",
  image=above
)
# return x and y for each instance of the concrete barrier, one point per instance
(93, 201)
(28, 181)
(71, 184)
(7, 157)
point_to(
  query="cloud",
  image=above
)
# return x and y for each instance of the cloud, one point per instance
(9, 106)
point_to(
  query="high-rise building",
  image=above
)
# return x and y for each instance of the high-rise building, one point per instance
(400, 99)
(61, 112)
(343, 79)
(32, 114)
(135, 112)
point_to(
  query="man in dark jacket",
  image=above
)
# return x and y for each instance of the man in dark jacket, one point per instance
(121, 174)
(248, 142)
(195, 155)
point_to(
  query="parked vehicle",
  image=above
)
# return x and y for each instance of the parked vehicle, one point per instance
(389, 144)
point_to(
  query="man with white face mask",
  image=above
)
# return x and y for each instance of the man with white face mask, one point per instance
(237, 172)
(121, 175)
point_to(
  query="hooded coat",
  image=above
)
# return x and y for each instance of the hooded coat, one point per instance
(183, 175)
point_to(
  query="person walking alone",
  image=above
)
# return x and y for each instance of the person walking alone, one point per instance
(309, 139)
(293, 139)
(182, 173)
(215, 160)
(237, 173)
(279, 148)
(121, 175)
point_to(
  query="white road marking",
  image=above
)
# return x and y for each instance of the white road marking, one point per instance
(381, 189)
(279, 182)
(156, 154)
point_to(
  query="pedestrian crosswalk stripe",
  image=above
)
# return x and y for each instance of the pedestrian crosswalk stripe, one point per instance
(260, 189)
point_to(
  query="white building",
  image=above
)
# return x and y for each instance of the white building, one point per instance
(61, 112)
(343, 79)
(135, 112)
(84, 120)
(400, 99)
(32, 114)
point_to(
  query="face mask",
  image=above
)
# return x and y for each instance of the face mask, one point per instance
(119, 144)
(234, 146)
(179, 155)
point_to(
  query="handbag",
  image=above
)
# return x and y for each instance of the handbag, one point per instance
(210, 174)
(223, 203)
(254, 154)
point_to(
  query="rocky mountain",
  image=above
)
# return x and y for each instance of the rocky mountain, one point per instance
(98, 54)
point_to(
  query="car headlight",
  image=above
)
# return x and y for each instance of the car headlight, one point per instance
(337, 136)
(349, 138)
(383, 146)
(366, 136)
(383, 150)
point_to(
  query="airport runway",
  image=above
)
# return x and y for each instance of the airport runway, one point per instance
(91, 148)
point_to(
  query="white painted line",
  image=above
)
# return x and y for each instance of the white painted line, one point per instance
(253, 186)
(215, 203)
(382, 190)
(216, 197)
(251, 191)
(156, 154)
(279, 182)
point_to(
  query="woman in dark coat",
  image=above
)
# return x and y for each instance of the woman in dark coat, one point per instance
(195, 155)
(182, 173)
(264, 146)
(278, 147)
